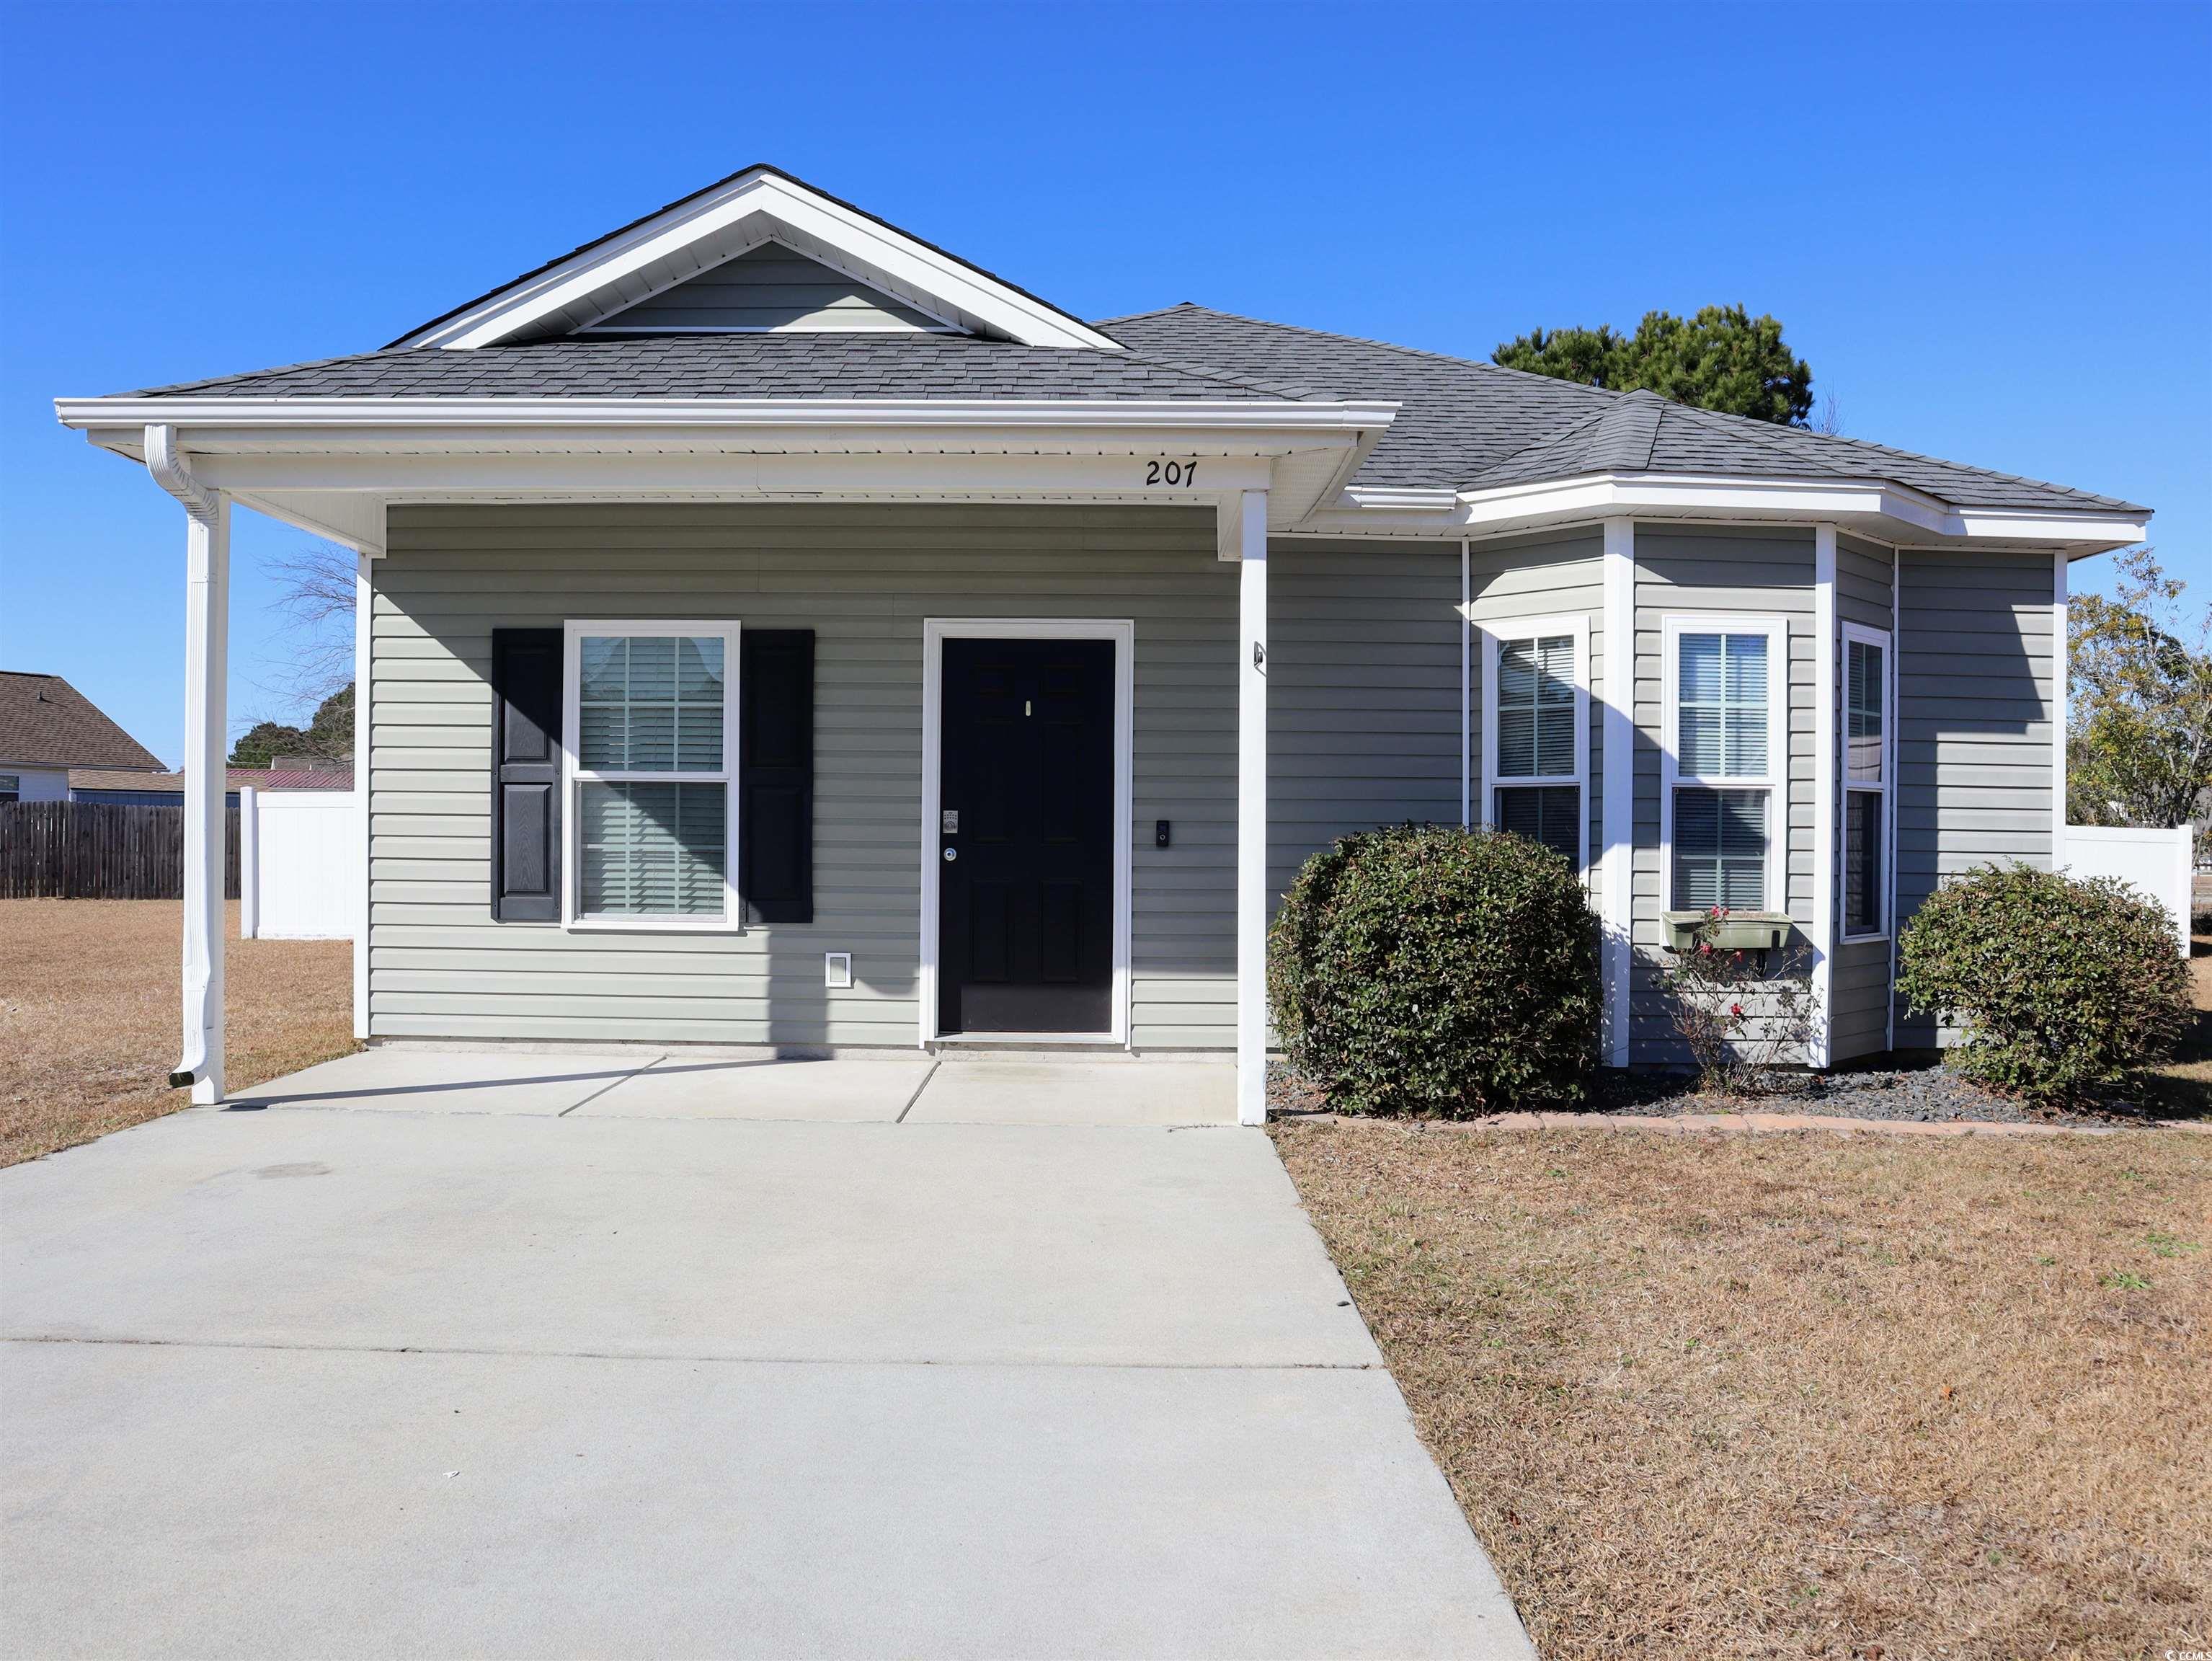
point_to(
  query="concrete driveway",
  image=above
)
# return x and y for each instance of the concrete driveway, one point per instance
(442, 1354)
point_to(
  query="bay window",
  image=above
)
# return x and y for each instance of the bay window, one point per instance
(1725, 762)
(652, 715)
(1536, 731)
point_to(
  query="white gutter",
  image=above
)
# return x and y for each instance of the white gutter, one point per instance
(1014, 415)
(1904, 513)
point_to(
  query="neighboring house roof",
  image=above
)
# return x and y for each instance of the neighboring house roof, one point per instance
(234, 778)
(1470, 425)
(46, 723)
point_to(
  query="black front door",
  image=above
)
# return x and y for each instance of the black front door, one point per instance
(1025, 839)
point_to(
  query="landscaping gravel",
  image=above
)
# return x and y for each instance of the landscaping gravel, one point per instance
(1926, 1095)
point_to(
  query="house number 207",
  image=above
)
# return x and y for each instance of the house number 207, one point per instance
(1182, 474)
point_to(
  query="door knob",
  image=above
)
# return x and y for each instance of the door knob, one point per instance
(951, 854)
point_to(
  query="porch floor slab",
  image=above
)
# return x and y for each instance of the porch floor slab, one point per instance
(456, 1380)
(852, 1091)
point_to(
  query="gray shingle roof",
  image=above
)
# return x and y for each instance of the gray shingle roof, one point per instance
(1462, 424)
(1469, 424)
(738, 366)
(46, 723)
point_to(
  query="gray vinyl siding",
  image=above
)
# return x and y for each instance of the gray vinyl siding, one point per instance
(863, 577)
(1363, 692)
(1560, 576)
(1711, 570)
(1977, 725)
(1859, 987)
(770, 287)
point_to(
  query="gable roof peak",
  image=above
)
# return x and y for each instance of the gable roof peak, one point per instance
(734, 215)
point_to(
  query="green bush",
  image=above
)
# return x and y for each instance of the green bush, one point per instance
(2061, 985)
(1430, 970)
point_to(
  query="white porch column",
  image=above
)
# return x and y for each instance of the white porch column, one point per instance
(1828, 823)
(207, 618)
(1252, 809)
(364, 608)
(1617, 864)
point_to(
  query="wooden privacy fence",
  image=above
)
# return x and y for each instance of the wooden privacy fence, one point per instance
(97, 850)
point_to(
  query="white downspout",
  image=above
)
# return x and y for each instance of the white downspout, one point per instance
(2061, 651)
(1465, 689)
(207, 610)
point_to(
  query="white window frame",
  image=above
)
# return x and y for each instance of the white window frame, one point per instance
(1775, 781)
(573, 776)
(1495, 636)
(1860, 633)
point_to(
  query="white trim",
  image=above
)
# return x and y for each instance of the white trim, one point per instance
(1877, 507)
(1827, 822)
(935, 631)
(364, 732)
(1896, 703)
(1495, 635)
(1022, 415)
(573, 919)
(1466, 686)
(1858, 634)
(718, 215)
(1618, 860)
(1252, 815)
(1776, 780)
(2061, 648)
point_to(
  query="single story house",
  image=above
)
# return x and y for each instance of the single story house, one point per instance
(780, 630)
(46, 727)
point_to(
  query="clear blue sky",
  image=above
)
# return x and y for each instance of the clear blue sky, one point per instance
(1988, 228)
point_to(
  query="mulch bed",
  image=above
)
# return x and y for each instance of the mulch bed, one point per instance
(1923, 1095)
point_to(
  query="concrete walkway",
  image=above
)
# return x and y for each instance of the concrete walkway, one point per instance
(430, 1353)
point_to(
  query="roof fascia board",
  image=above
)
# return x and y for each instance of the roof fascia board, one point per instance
(1162, 417)
(1881, 507)
(997, 307)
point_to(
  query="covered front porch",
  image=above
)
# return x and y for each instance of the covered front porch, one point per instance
(1146, 529)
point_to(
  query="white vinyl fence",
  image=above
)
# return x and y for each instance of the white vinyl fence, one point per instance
(2156, 861)
(298, 864)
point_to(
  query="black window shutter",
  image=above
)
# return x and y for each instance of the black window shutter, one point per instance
(525, 774)
(776, 775)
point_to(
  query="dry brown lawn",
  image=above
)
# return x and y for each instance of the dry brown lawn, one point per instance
(1802, 1395)
(89, 992)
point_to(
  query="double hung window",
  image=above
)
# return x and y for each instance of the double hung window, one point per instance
(1536, 731)
(652, 715)
(1725, 761)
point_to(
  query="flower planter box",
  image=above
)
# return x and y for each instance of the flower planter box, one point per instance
(1739, 931)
